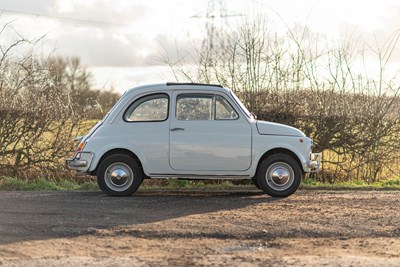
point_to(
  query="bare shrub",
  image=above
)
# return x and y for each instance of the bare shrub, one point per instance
(45, 103)
(300, 80)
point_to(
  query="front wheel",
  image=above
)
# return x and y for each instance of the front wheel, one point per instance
(119, 175)
(279, 175)
(255, 182)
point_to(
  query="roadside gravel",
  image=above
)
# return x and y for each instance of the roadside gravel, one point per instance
(217, 228)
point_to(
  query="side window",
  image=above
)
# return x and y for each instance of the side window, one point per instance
(148, 108)
(194, 107)
(224, 110)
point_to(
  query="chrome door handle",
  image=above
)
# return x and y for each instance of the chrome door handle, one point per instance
(176, 129)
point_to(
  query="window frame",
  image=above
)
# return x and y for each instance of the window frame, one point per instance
(138, 101)
(213, 96)
(215, 107)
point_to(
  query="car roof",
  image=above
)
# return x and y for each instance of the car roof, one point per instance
(170, 86)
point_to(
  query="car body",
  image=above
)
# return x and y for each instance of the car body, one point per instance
(191, 131)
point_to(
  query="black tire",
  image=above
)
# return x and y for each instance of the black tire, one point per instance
(101, 186)
(255, 182)
(119, 175)
(279, 175)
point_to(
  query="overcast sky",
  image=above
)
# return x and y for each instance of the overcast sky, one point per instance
(120, 41)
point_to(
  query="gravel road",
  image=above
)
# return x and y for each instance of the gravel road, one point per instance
(218, 228)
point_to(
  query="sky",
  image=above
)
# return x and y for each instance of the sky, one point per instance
(121, 42)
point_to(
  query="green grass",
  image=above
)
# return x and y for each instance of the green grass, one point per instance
(40, 184)
(390, 184)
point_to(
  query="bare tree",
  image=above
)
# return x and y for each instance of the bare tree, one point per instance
(302, 80)
(45, 103)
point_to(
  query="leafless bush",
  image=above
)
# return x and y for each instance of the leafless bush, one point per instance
(45, 103)
(296, 79)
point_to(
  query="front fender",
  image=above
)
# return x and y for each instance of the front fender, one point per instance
(265, 144)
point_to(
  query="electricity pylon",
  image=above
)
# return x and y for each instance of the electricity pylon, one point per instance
(216, 24)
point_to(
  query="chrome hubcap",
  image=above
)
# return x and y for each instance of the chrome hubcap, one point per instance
(119, 176)
(279, 176)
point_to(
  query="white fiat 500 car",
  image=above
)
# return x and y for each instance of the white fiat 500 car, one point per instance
(191, 131)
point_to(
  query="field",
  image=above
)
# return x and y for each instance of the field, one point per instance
(200, 227)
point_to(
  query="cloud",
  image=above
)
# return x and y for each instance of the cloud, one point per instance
(174, 49)
(99, 48)
(378, 38)
(37, 6)
(132, 37)
(140, 33)
(83, 13)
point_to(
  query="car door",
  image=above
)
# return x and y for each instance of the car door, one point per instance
(208, 133)
(145, 130)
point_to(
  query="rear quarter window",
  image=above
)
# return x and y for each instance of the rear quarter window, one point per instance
(148, 108)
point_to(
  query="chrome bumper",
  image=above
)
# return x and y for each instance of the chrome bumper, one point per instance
(80, 162)
(315, 162)
(74, 163)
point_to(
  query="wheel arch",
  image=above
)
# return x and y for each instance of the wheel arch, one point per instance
(122, 151)
(279, 150)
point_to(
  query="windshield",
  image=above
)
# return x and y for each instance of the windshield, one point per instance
(245, 110)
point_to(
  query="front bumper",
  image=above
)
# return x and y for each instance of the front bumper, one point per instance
(80, 162)
(315, 162)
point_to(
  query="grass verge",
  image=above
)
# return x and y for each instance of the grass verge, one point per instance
(390, 184)
(40, 184)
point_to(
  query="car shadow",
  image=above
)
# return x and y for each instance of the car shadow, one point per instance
(26, 216)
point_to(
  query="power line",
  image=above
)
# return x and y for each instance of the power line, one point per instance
(87, 21)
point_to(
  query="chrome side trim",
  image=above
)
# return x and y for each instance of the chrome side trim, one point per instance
(197, 176)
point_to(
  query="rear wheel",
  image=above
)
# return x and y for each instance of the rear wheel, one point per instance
(101, 186)
(119, 175)
(279, 175)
